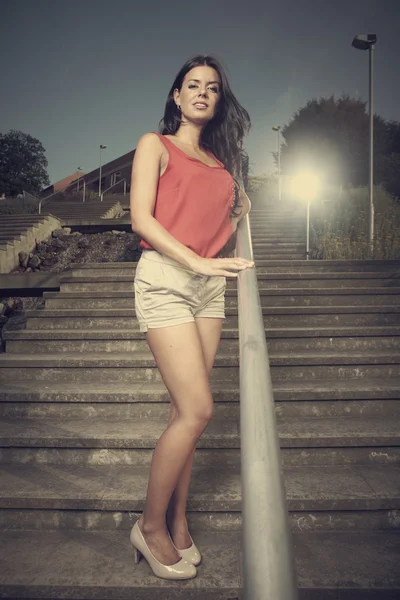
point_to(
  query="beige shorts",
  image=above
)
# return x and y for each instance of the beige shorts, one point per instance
(168, 293)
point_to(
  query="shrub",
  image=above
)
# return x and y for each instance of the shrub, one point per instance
(339, 225)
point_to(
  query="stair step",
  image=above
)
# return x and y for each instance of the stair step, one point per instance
(286, 316)
(268, 297)
(90, 340)
(107, 432)
(353, 565)
(123, 487)
(313, 390)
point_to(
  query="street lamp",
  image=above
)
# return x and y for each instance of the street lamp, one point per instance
(101, 148)
(278, 129)
(79, 174)
(306, 186)
(367, 41)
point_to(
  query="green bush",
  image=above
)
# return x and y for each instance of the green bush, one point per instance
(18, 206)
(339, 225)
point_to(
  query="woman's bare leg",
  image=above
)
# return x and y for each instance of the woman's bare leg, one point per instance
(210, 333)
(179, 356)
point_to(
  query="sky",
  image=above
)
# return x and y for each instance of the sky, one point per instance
(79, 73)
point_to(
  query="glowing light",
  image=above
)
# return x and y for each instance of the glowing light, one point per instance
(305, 185)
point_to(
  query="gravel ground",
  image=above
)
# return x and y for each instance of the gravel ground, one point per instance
(56, 255)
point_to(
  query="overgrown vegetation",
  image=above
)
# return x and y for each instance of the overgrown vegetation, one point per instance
(339, 225)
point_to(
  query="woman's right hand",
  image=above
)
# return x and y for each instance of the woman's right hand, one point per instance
(225, 267)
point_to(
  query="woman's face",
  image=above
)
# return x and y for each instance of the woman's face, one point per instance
(201, 86)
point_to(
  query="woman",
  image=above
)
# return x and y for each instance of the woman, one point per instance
(185, 206)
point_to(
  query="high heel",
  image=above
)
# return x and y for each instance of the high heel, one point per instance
(191, 555)
(180, 570)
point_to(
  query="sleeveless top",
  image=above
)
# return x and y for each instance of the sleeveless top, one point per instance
(194, 202)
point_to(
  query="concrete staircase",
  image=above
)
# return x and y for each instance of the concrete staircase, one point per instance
(18, 234)
(68, 210)
(82, 406)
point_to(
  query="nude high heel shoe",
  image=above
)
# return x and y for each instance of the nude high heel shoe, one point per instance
(191, 555)
(180, 570)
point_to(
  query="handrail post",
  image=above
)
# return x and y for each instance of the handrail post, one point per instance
(268, 560)
(113, 185)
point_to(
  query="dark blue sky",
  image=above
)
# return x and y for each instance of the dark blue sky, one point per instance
(79, 73)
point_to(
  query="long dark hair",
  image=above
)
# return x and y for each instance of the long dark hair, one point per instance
(224, 134)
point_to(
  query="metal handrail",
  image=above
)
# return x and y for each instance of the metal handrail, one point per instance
(51, 195)
(268, 557)
(113, 185)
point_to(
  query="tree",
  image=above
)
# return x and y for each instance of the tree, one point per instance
(22, 164)
(331, 137)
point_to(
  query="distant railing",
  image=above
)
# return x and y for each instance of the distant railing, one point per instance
(268, 561)
(44, 200)
(111, 186)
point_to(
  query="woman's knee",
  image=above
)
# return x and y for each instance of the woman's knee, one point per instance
(201, 415)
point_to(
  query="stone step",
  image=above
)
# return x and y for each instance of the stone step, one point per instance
(58, 565)
(73, 340)
(258, 239)
(117, 268)
(129, 368)
(123, 488)
(142, 405)
(278, 317)
(10, 229)
(315, 390)
(97, 520)
(272, 297)
(375, 456)
(266, 279)
(280, 256)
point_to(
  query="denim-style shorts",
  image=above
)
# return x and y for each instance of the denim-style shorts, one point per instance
(168, 293)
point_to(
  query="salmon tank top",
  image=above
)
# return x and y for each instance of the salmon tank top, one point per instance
(194, 202)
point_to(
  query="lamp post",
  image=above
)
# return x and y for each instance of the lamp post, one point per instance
(277, 128)
(101, 148)
(306, 186)
(367, 41)
(79, 174)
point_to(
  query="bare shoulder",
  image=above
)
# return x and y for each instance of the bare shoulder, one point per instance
(149, 142)
(150, 154)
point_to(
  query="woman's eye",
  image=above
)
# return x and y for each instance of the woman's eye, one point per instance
(214, 89)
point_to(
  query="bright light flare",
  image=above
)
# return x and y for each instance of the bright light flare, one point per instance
(305, 185)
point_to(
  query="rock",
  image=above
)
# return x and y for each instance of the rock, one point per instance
(49, 261)
(28, 270)
(57, 232)
(23, 258)
(34, 262)
(83, 243)
(10, 305)
(115, 232)
(3, 308)
(76, 233)
(67, 230)
(133, 246)
(41, 248)
(15, 323)
(57, 243)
